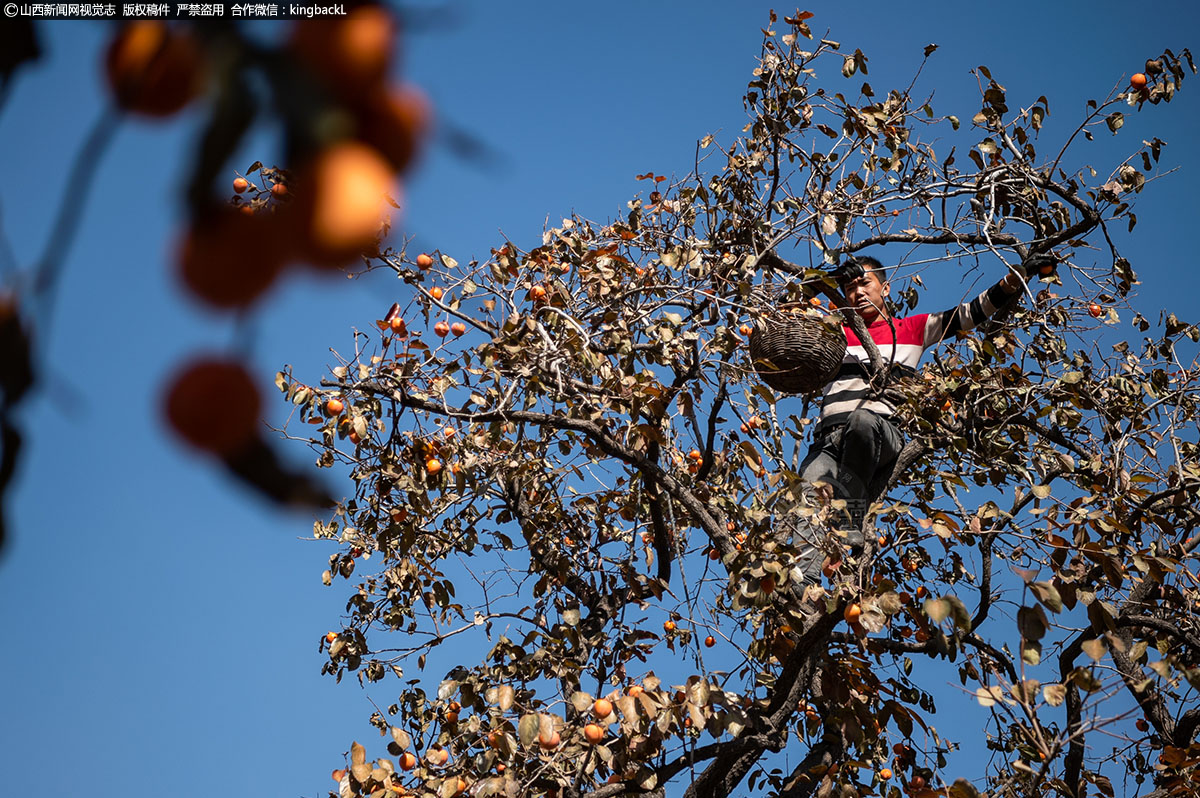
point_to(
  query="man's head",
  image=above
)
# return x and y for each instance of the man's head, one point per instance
(865, 285)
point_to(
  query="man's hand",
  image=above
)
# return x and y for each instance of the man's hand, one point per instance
(849, 271)
(1043, 264)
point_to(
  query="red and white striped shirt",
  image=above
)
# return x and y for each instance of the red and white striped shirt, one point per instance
(850, 391)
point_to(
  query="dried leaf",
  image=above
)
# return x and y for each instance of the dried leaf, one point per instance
(989, 696)
(1094, 649)
(961, 788)
(1032, 622)
(938, 609)
(1025, 691)
(1054, 694)
(527, 730)
(1047, 595)
(581, 701)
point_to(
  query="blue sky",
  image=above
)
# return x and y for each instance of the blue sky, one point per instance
(161, 625)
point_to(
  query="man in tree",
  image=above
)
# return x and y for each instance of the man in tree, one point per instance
(855, 443)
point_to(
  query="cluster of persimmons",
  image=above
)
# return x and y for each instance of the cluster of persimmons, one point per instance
(325, 211)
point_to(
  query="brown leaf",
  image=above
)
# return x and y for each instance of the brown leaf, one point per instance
(1094, 649)
(581, 701)
(1047, 594)
(1054, 694)
(527, 730)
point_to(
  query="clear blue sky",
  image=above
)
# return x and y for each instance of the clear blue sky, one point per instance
(160, 625)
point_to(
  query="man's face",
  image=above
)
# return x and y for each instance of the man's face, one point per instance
(866, 295)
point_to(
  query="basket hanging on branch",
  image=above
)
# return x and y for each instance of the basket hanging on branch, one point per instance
(797, 350)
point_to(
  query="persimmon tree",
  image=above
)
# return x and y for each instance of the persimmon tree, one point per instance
(564, 462)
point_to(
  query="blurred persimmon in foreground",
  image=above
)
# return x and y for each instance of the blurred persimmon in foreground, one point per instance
(351, 54)
(230, 259)
(342, 201)
(154, 69)
(213, 404)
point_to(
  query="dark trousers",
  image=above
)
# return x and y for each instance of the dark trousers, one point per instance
(855, 459)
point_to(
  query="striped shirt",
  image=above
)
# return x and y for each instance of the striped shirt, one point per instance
(850, 391)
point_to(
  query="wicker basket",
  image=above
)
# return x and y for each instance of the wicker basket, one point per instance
(798, 351)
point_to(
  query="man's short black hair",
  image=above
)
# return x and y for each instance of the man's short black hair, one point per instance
(871, 264)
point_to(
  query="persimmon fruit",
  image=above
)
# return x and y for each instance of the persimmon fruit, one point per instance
(458, 329)
(852, 613)
(228, 259)
(593, 733)
(602, 708)
(334, 406)
(154, 69)
(240, 184)
(433, 465)
(351, 53)
(1095, 310)
(424, 261)
(1138, 80)
(343, 200)
(441, 329)
(214, 405)
(394, 121)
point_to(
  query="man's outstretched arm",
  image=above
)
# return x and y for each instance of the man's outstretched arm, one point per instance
(969, 315)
